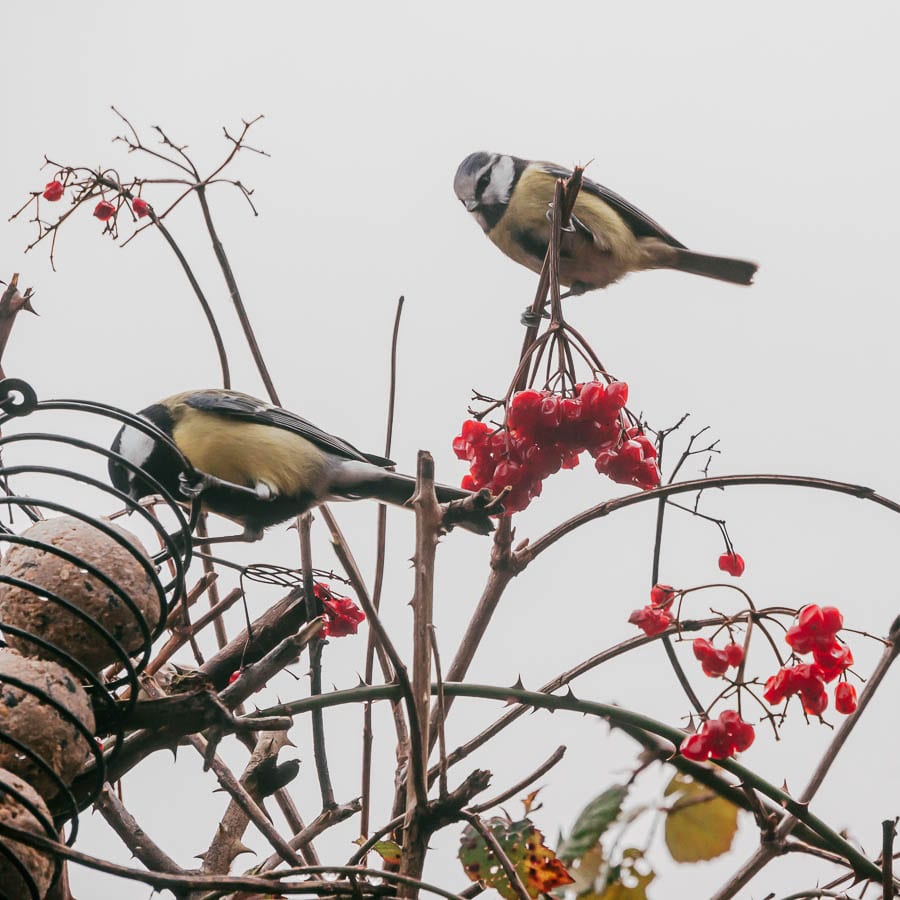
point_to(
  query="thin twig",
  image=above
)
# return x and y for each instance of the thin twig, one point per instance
(320, 751)
(377, 585)
(542, 769)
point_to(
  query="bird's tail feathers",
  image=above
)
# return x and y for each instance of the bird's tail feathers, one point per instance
(736, 271)
(398, 490)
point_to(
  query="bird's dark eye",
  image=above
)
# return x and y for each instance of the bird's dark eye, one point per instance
(483, 182)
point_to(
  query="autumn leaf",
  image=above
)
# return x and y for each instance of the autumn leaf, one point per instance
(536, 865)
(389, 851)
(700, 824)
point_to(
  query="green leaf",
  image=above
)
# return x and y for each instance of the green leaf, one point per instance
(700, 825)
(592, 821)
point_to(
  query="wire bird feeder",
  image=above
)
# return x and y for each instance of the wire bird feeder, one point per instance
(81, 603)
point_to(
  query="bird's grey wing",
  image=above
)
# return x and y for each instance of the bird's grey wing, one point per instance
(639, 222)
(248, 409)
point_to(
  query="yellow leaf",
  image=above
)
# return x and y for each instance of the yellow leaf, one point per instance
(700, 824)
(389, 851)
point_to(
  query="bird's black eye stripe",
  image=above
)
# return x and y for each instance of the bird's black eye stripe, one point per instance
(483, 182)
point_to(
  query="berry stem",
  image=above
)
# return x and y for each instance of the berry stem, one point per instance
(677, 668)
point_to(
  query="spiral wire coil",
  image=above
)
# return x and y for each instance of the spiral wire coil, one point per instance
(113, 693)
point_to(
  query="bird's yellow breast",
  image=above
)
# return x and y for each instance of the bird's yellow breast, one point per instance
(246, 453)
(607, 251)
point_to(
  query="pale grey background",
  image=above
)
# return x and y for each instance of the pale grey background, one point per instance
(765, 130)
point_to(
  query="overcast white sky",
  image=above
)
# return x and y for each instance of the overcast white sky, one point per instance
(765, 130)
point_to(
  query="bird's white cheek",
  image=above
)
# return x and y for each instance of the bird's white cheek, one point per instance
(136, 446)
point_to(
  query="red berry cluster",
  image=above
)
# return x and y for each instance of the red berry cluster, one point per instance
(815, 632)
(53, 191)
(719, 738)
(732, 563)
(141, 207)
(546, 432)
(717, 662)
(656, 617)
(342, 615)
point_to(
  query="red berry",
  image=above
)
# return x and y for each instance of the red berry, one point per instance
(713, 661)
(845, 698)
(647, 446)
(592, 396)
(647, 475)
(814, 699)
(570, 459)
(617, 394)
(524, 410)
(233, 677)
(662, 595)
(777, 687)
(732, 563)
(570, 410)
(474, 431)
(342, 616)
(548, 416)
(741, 732)
(53, 191)
(734, 653)
(141, 207)
(508, 473)
(799, 639)
(597, 437)
(104, 210)
(832, 619)
(694, 747)
(717, 738)
(833, 659)
(631, 450)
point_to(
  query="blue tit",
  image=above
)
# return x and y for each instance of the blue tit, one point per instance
(608, 237)
(257, 464)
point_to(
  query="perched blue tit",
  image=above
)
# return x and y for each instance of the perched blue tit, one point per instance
(258, 464)
(607, 238)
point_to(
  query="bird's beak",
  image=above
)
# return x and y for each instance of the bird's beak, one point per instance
(471, 205)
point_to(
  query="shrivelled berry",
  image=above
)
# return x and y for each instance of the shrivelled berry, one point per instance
(141, 207)
(53, 191)
(104, 210)
(651, 620)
